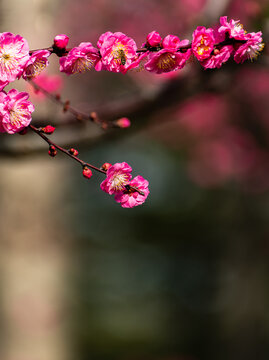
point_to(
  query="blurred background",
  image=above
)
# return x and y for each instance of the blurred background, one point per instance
(183, 277)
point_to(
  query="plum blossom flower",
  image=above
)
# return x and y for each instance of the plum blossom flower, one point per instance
(15, 111)
(37, 62)
(250, 49)
(168, 58)
(203, 42)
(14, 53)
(233, 28)
(79, 59)
(134, 194)
(218, 57)
(118, 175)
(117, 50)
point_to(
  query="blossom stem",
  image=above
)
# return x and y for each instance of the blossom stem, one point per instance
(66, 152)
(149, 48)
(66, 106)
(76, 158)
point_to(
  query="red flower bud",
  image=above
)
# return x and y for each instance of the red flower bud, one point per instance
(87, 173)
(61, 41)
(73, 151)
(106, 166)
(52, 151)
(48, 129)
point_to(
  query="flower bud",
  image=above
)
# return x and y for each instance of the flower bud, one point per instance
(123, 122)
(73, 151)
(87, 173)
(52, 151)
(106, 166)
(66, 106)
(48, 129)
(154, 38)
(61, 41)
(171, 42)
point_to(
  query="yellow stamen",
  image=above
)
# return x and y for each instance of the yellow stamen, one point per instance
(166, 61)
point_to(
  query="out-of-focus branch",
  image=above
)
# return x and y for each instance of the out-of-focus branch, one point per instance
(140, 110)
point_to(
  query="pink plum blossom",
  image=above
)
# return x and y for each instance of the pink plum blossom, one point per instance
(154, 39)
(60, 41)
(79, 59)
(14, 53)
(203, 42)
(218, 57)
(15, 111)
(134, 194)
(250, 49)
(117, 176)
(167, 60)
(37, 62)
(233, 28)
(117, 50)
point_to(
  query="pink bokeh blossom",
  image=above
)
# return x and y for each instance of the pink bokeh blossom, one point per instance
(50, 83)
(15, 111)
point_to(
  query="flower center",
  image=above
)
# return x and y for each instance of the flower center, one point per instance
(82, 64)
(166, 61)
(119, 54)
(202, 47)
(8, 63)
(253, 51)
(16, 115)
(35, 68)
(119, 181)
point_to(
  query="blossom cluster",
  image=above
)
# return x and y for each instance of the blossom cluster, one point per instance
(212, 47)
(128, 192)
(118, 53)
